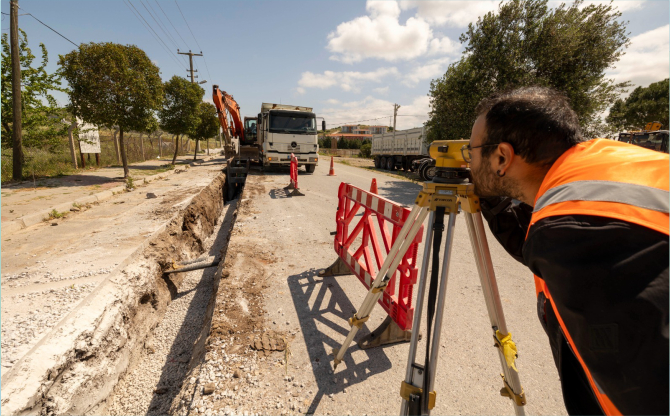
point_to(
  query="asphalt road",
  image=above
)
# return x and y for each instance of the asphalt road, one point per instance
(368, 381)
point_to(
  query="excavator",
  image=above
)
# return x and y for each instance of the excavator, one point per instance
(247, 150)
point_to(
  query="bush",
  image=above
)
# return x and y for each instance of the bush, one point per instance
(366, 151)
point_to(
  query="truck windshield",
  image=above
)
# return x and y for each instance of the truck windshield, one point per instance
(292, 123)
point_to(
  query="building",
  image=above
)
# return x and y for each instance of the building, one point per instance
(352, 131)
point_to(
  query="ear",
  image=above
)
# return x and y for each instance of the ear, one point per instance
(504, 156)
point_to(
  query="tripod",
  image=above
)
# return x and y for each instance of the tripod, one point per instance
(436, 199)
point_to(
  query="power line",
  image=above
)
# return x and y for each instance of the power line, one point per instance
(189, 27)
(52, 29)
(160, 26)
(173, 26)
(170, 53)
(194, 38)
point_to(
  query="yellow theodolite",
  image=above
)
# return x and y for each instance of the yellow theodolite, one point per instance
(449, 190)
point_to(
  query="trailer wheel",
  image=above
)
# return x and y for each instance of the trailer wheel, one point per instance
(430, 172)
(377, 162)
(382, 162)
(390, 163)
(422, 170)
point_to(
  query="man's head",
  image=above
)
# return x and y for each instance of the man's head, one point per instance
(517, 136)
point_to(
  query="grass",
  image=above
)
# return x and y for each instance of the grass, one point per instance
(130, 185)
(50, 163)
(54, 214)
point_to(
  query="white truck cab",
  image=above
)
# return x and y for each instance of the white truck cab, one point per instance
(288, 129)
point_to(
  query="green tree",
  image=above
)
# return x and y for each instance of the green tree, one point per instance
(643, 105)
(527, 43)
(208, 124)
(179, 115)
(113, 85)
(366, 150)
(41, 117)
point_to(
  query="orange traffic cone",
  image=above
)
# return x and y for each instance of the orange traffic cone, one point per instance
(332, 167)
(373, 187)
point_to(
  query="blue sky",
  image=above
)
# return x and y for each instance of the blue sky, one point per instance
(350, 60)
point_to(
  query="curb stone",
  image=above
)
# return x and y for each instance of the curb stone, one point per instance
(28, 220)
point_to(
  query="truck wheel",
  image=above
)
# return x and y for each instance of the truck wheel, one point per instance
(310, 168)
(422, 170)
(390, 163)
(377, 162)
(430, 172)
(382, 163)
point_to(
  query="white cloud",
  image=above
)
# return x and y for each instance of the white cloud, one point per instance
(332, 101)
(382, 90)
(300, 90)
(449, 13)
(430, 70)
(346, 80)
(621, 5)
(379, 35)
(444, 46)
(409, 115)
(646, 59)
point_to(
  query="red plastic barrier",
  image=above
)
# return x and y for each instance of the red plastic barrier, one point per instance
(294, 171)
(360, 249)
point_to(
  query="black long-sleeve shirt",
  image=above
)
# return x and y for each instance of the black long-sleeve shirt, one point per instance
(609, 281)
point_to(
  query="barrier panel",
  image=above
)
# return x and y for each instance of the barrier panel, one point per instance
(293, 174)
(360, 248)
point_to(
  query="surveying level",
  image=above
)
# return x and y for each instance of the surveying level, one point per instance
(449, 188)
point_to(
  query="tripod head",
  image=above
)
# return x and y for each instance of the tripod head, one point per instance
(450, 163)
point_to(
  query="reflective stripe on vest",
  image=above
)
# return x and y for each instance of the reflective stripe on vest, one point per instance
(607, 179)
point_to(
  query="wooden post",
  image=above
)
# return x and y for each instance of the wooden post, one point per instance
(142, 146)
(160, 145)
(97, 159)
(116, 146)
(73, 151)
(207, 147)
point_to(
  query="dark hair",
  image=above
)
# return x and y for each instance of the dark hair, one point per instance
(537, 121)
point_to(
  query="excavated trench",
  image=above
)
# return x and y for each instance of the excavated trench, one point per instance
(128, 346)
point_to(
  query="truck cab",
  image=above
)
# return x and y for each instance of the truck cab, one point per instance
(287, 129)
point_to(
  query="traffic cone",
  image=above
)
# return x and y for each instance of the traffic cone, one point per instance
(373, 187)
(332, 167)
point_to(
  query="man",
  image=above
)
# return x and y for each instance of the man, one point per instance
(593, 228)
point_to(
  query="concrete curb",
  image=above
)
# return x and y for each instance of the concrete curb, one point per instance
(28, 220)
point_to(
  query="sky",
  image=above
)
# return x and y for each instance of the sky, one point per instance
(349, 60)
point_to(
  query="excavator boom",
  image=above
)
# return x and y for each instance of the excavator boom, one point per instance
(225, 103)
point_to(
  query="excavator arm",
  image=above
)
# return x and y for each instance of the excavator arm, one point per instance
(225, 104)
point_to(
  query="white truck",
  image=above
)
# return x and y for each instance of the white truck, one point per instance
(284, 129)
(398, 151)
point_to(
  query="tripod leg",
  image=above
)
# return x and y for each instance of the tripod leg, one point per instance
(418, 308)
(487, 277)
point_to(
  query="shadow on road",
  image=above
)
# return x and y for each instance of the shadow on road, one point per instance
(317, 300)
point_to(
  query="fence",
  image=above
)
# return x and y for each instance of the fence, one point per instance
(41, 163)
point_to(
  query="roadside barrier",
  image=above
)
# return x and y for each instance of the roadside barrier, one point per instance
(360, 252)
(332, 167)
(293, 174)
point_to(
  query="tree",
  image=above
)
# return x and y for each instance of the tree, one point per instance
(41, 117)
(113, 85)
(526, 43)
(366, 150)
(208, 124)
(642, 106)
(179, 114)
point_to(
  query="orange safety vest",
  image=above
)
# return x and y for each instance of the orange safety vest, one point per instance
(607, 179)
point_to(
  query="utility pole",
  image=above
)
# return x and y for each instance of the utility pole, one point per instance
(17, 154)
(190, 61)
(395, 114)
